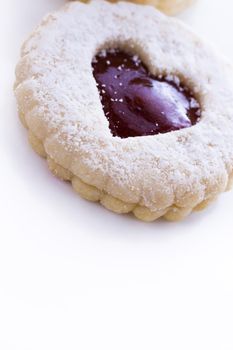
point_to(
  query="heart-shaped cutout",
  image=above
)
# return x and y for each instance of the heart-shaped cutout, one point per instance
(135, 102)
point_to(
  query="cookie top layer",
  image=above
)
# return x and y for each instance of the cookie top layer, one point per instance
(57, 94)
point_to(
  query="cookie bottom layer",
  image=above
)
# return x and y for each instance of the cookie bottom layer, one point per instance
(91, 193)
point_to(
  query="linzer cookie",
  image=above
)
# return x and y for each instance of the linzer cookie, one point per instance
(130, 106)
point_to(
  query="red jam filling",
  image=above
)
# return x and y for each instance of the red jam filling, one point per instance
(135, 102)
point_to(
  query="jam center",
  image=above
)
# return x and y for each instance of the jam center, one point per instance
(135, 102)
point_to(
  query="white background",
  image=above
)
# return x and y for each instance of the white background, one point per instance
(75, 276)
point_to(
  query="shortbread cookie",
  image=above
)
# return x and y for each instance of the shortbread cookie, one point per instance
(130, 106)
(170, 7)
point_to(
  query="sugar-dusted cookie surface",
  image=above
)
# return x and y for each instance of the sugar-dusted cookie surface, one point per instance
(168, 174)
(170, 7)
